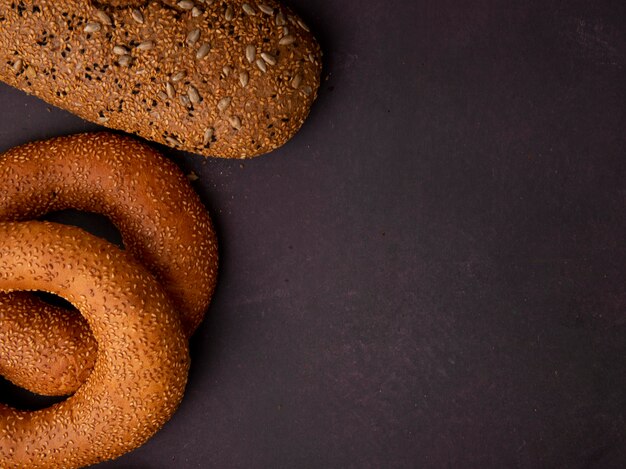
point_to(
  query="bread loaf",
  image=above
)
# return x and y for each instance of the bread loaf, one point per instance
(226, 79)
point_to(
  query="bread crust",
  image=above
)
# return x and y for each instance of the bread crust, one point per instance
(226, 79)
(163, 224)
(143, 360)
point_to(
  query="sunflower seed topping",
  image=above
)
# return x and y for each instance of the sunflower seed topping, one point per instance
(30, 72)
(193, 94)
(178, 76)
(92, 27)
(244, 78)
(248, 9)
(125, 60)
(171, 91)
(195, 12)
(266, 9)
(287, 40)
(208, 135)
(229, 14)
(224, 103)
(103, 17)
(250, 53)
(303, 25)
(184, 100)
(172, 141)
(185, 4)
(268, 58)
(261, 64)
(162, 95)
(17, 65)
(280, 19)
(137, 16)
(120, 50)
(203, 51)
(296, 82)
(235, 122)
(193, 37)
(146, 45)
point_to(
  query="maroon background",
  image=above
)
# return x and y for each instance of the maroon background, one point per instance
(432, 273)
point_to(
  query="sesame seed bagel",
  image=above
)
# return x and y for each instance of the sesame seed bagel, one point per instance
(46, 349)
(218, 78)
(141, 370)
(163, 224)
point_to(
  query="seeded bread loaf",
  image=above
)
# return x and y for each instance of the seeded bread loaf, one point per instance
(218, 78)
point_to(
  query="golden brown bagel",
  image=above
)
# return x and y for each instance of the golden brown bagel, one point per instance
(141, 371)
(45, 348)
(162, 221)
(220, 78)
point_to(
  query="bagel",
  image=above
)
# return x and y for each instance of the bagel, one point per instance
(45, 349)
(227, 79)
(162, 222)
(142, 362)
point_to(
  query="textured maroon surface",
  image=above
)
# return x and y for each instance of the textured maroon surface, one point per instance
(432, 273)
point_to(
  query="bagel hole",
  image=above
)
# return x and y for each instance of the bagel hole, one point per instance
(21, 399)
(94, 223)
(53, 299)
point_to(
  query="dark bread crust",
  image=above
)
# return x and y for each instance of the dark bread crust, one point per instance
(63, 52)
